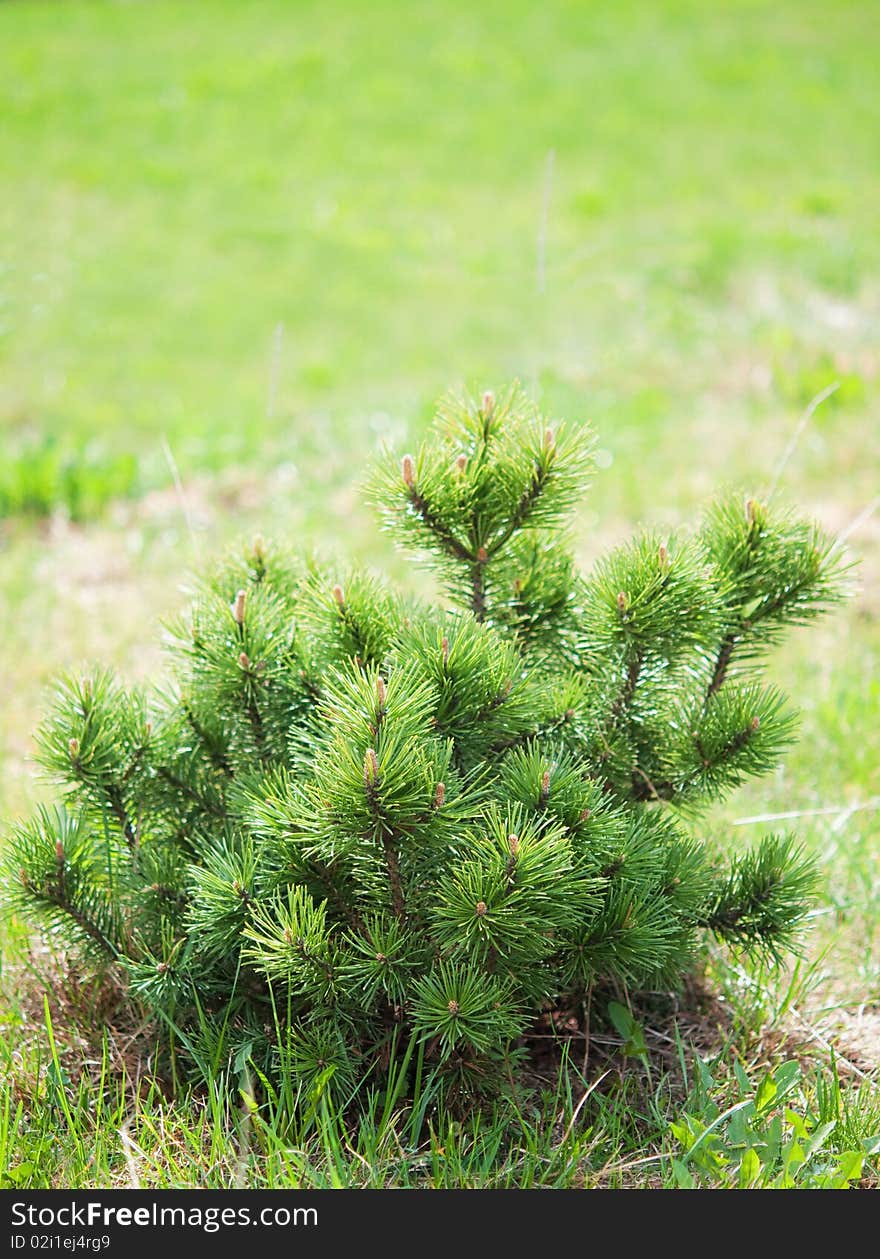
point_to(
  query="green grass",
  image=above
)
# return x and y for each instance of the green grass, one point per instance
(262, 230)
(241, 245)
(45, 476)
(675, 1121)
(701, 1124)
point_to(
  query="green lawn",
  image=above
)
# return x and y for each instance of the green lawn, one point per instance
(251, 242)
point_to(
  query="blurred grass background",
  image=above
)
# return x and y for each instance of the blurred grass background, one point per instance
(243, 244)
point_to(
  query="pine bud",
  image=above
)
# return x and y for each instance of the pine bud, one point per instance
(480, 908)
(444, 650)
(569, 714)
(380, 691)
(549, 440)
(622, 601)
(23, 877)
(244, 660)
(545, 786)
(288, 937)
(59, 852)
(162, 968)
(440, 796)
(381, 959)
(259, 547)
(461, 462)
(238, 607)
(148, 729)
(585, 813)
(408, 471)
(754, 724)
(73, 748)
(751, 510)
(482, 555)
(663, 555)
(371, 767)
(339, 595)
(487, 406)
(513, 843)
(453, 1007)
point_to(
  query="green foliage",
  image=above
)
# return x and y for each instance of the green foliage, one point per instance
(757, 901)
(639, 255)
(49, 476)
(777, 1134)
(361, 822)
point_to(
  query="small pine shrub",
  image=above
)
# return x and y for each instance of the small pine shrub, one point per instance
(357, 820)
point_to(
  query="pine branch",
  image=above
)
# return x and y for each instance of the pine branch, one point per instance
(53, 894)
(372, 786)
(256, 723)
(494, 703)
(624, 699)
(117, 806)
(343, 907)
(523, 508)
(478, 584)
(722, 662)
(205, 804)
(217, 758)
(48, 866)
(432, 521)
(112, 792)
(761, 902)
(392, 865)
